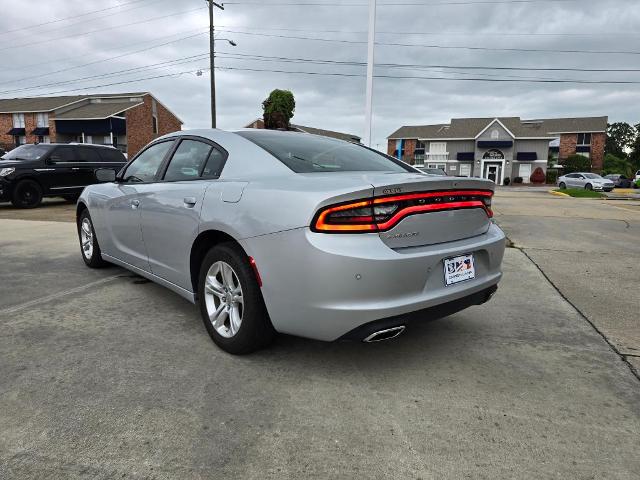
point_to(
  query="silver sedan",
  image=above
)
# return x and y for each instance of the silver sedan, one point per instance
(586, 180)
(289, 232)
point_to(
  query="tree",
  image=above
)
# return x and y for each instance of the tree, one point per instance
(278, 110)
(576, 163)
(620, 137)
(613, 164)
(634, 157)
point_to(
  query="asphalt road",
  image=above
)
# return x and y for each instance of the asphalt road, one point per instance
(590, 250)
(104, 375)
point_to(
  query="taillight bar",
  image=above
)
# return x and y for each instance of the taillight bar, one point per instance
(383, 213)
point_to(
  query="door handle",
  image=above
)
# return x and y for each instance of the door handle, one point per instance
(189, 201)
(135, 203)
(75, 168)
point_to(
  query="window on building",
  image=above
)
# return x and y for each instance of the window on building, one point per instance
(154, 115)
(495, 135)
(438, 151)
(419, 152)
(18, 120)
(465, 170)
(44, 139)
(441, 166)
(19, 140)
(584, 139)
(42, 120)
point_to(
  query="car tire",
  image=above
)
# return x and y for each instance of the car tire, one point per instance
(562, 186)
(253, 330)
(588, 186)
(27, 194)
(89, 247)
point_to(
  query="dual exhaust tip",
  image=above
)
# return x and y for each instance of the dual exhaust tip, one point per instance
(386, 334)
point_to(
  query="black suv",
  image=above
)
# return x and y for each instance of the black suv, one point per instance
(30, 172)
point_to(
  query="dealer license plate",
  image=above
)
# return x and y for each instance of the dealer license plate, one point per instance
(458, 269)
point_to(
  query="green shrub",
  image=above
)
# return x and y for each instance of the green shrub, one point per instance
(517, 180)
(507, 181)
(577, 163)
(552, 176)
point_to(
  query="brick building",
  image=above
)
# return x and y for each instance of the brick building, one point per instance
(498, 148)
(127, 121)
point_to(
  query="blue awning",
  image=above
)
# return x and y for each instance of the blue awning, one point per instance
(92, 127)
(466, 156)
(16, 131)
(527, 156)
(495, 143)
(583, 148)
(40, 131)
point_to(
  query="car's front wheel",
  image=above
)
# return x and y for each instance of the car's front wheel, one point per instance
(88, 242)
(231, 303)
(588, 186)
(562, 185)
(27, 194)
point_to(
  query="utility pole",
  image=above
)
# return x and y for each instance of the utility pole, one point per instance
(212, 61)
(370, 57)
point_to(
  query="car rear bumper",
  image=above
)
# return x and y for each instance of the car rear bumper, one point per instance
(323, 286)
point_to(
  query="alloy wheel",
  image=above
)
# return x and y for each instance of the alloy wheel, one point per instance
(223, 299)
(86, 238)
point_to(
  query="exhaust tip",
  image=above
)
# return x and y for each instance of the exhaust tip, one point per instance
(386, 334)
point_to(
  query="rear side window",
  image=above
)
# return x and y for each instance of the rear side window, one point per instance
(88, 155)
(111, 155)
(64, 154)
(215, 162)
(304, 153)
(188, 160)
(145, 167)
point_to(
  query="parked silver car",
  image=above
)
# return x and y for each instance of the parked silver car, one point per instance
(586, 180)
(289, 232)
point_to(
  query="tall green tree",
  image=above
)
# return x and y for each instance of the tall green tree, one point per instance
(620, 137)
(634, 157)
(278, 110)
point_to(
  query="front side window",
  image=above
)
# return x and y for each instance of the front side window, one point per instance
(145, 167)
(305, 153)
(63, 154)
(188, 160)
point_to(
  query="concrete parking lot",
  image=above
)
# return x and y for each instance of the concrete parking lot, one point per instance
(104, 375)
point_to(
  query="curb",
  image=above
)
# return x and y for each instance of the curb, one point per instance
(558, 194)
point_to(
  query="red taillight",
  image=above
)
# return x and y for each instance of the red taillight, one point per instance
(384, 213)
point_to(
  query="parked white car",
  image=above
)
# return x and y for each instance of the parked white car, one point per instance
(588, 181)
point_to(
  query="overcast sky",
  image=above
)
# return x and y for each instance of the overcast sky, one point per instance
(30, 56)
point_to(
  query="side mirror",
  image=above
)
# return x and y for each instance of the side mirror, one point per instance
(105, 175)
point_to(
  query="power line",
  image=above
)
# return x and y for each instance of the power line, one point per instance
(446, 47)
(81, 34)
(39, 64)
(336, 74)
(395, 4)
(35, 25)
(279, 59)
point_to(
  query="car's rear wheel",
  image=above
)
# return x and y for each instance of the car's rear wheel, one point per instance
(89, 242)
(588, 186)
(27, 194)
(231, 303)
(562, 185)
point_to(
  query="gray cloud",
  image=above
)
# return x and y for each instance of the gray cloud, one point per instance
(336, 102)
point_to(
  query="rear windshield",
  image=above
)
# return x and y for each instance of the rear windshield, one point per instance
(27, 152)
(305, 153)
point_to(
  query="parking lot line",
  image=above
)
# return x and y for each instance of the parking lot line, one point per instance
(37, 301)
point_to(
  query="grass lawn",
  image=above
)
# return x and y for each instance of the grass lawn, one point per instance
(580, 193)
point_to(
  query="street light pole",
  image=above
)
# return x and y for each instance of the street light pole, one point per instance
(211, 4)
(370, 58)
